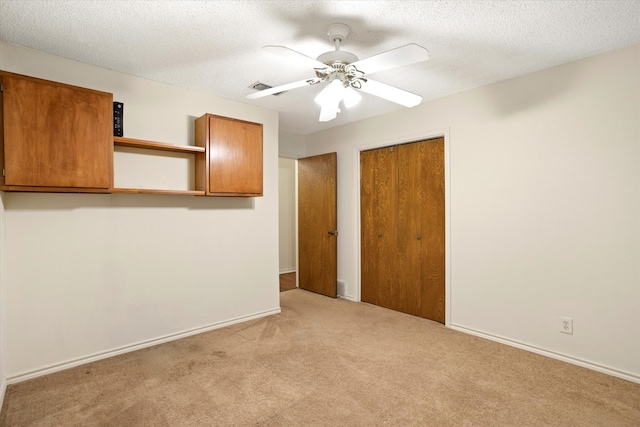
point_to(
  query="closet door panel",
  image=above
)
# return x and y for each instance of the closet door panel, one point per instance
(368, 239)
(386, 226)
(407, 284)
(379, 227)
(433, 225)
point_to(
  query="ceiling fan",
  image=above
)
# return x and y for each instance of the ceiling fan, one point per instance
(345, 74)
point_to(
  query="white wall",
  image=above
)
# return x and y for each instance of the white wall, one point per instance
(291, 145)
(287, 214)
(90, 275)
(544, 206)
(2, 280)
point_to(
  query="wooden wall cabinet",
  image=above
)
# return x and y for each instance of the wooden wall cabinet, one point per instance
(232, 165)
(54, 137)
(59, 138)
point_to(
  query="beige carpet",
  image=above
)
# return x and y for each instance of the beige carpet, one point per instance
(325, 362)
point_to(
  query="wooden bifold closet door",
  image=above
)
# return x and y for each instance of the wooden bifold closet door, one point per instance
(402, 228)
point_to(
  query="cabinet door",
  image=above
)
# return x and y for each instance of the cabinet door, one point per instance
(56, 135)
(235, 157)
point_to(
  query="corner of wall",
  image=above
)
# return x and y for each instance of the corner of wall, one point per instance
(291, 146)
(3, 379)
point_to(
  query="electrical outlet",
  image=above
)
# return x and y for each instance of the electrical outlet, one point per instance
(566, 325)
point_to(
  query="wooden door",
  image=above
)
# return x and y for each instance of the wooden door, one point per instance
(402, 228)
(317, 224)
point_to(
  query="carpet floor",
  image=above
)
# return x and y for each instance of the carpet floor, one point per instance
(326, 362)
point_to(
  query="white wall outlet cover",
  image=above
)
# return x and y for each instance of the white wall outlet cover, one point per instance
(566, 325)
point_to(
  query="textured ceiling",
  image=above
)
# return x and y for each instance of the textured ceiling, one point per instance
(215, 46)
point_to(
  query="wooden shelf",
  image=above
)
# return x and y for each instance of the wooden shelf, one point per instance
(158, 146)
(152, 191)
(150, 145)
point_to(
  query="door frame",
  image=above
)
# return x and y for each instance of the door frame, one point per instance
(295, 202)
(294, 196)
(404, 139)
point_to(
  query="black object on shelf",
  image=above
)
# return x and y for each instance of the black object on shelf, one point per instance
(118, 113)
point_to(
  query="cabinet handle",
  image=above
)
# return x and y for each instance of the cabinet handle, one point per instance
(418, 237)
(379, 234)
(333, 233)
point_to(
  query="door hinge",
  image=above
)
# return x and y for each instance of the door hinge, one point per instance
(3, 173)
(1, 87)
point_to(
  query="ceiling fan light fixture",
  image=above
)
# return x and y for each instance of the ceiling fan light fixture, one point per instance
(329, 99)
(351, 97)
(327, 114)
(332, 94)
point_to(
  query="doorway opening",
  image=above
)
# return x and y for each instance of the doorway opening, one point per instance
(287, 218)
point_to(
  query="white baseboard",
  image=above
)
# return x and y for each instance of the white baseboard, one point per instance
(128, 348)
(287, 270)
(554, 355)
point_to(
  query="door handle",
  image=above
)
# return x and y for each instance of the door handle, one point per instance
(333, 233)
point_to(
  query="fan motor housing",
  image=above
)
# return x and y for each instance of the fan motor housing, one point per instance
(337, 33)
(337, 57)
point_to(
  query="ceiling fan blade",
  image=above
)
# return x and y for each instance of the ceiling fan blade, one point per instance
(391, 93)
(285, 52)
(404, 55)
(283, 88)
